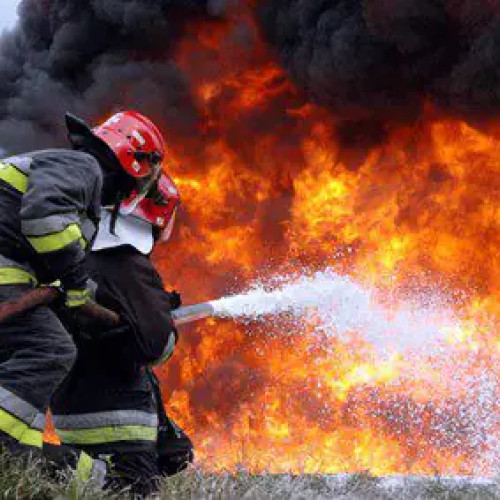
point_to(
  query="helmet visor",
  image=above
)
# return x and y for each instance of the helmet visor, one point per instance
(144, 186)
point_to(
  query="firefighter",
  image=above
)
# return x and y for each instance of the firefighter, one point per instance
(49, 210)
(110, 406)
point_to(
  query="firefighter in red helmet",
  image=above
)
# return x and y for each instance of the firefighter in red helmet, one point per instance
(138, 146)
(110, 405)
(49, 210)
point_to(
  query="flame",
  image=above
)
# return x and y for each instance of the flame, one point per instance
(268, 186)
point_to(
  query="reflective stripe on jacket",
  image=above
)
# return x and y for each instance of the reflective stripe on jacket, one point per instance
(107, 427)
(12, 273)
(14, 176)
(20, 420)
(49, 209)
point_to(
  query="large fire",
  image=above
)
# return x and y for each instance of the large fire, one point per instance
(268, 187)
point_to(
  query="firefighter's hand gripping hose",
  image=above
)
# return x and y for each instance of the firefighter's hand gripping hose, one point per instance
(175, 300)
(76, 298)
(48, 294)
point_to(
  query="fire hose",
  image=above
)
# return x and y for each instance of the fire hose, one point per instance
(92, 310)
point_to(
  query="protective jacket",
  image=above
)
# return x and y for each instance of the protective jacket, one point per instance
(107, 399)
(49, 206)
(108, 406)
(49, 209)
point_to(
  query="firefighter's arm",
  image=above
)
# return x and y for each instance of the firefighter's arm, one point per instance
(128, 284)
(155, 331)
(148, 314)
(175, 301)
(168, 351)
(62, 190)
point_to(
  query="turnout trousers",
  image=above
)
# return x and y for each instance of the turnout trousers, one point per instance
(112, 416)
(119, 418)
(36, 354)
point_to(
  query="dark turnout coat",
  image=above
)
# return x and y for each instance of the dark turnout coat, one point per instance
(49, 207)
(107, 398)
(108, 404)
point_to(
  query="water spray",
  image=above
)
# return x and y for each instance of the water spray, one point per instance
(339, 305)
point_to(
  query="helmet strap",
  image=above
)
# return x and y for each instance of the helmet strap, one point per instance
(114, 215)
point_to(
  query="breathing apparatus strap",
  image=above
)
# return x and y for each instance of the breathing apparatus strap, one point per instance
(114, 215)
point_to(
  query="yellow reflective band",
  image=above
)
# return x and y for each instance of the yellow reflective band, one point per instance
(56, 241)
(108, 434)
(76, 298)
(19, 430)
(75, 303)
(78, 293)
(84, 467)
(11, 175)
(15, 276)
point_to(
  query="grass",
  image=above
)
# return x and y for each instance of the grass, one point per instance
(196, 485)
(21, 480)
(30, 482)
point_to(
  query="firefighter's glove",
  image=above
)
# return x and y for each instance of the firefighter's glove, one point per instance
(175, 300)
(58, 302)
(79, 297)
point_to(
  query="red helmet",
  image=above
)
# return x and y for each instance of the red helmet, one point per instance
(136, 142)
(159, 207)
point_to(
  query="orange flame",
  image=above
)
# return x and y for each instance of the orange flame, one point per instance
(271, 187)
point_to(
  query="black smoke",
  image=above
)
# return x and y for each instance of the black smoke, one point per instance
(382, 59)
(369, 61)
(92, 57)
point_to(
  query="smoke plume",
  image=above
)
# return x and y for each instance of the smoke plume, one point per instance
(382, 59)
(369, 61)
(92, 57)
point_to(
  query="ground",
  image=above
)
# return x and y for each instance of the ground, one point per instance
(29, 483)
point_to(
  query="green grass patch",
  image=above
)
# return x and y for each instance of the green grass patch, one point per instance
(29, 481)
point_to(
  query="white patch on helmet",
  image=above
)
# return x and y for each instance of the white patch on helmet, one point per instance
(114, 119)
(138, 137)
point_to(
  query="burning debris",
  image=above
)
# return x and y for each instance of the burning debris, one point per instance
(361, 154)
